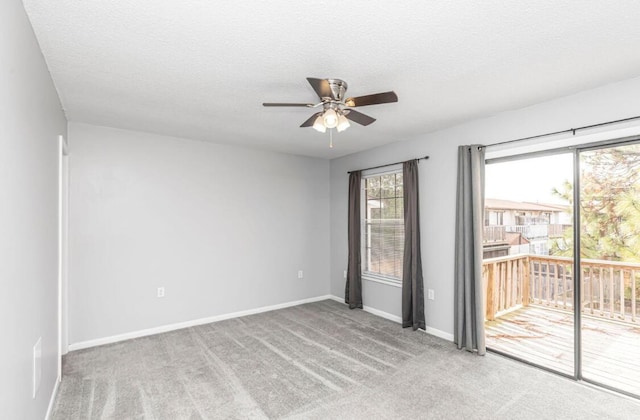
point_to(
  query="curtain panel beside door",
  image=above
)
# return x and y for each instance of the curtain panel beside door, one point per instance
(469, 302)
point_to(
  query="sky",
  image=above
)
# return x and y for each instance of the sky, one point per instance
(529, 179)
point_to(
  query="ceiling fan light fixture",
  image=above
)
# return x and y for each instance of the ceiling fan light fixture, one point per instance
(333, 108)
(330, 118)
(343, 123)
(318, 124)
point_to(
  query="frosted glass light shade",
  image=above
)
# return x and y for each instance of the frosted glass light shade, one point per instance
(318, 124)
(343, 123)
(330, 118)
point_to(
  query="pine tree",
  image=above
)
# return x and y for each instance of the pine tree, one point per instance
(609, 206)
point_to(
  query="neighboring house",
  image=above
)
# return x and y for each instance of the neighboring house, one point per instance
(513, 227)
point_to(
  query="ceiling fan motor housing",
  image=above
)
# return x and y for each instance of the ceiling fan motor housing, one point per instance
(338, 89)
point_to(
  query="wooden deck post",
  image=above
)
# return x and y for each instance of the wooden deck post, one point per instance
(500, 286)
(509, 277)
(525, 282)
(547, 283)
(490, 309)
(621, 294)
(583, 285)
(633, 295)
(612, 295)
(564, 287)
(601, 284)
(591, 291)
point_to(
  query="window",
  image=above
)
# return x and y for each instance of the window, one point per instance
(383, 227)
(493, 218)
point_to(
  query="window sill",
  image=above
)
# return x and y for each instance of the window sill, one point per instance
(382, 281)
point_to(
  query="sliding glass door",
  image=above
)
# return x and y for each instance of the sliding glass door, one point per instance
(528, 260)
(610, 266)
(562, 280)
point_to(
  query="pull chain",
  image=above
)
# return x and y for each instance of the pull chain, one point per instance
(330, 138)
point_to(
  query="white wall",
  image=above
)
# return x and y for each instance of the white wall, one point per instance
(222, 228)
(31, 119)
(438, 185)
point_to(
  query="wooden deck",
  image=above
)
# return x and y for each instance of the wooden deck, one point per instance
(543, 336)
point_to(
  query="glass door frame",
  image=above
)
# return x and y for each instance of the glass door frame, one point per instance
(576, 151)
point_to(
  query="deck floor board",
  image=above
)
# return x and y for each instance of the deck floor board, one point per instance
(611, 350)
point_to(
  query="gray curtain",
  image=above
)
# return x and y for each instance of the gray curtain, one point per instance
(353, 288)
(412, 284)
(469, 300)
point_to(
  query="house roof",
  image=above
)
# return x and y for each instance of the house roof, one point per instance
(515, 238)
(201, 69)
(498, 204)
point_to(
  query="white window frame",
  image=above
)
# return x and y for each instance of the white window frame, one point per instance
(366, 275)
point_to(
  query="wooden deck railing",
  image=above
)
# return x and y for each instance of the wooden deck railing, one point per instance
(506, 283)
(609, 289)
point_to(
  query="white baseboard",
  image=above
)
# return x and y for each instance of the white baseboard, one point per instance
(374, 311)
(439, 333)
(216, 318)
(382, 314)
(52, 400)
(386, 315)
(336, 298)
(187, 324)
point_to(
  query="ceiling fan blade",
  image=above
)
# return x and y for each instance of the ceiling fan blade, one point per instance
(285, 104)
(359, 117)
(310, 121)
(374, 99)
(321, 86)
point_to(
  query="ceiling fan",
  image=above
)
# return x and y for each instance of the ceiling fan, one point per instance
(336, 109)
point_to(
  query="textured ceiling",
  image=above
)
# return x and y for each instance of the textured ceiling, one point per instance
(201, 69)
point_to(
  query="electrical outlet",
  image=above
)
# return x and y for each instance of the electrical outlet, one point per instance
(160, 292)
(300, 274)
(344, 274)
(431, 294)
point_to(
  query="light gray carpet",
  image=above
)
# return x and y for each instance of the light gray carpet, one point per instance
(315, 361)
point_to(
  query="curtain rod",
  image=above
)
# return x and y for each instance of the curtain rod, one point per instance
(389, 164)
(570, 130)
